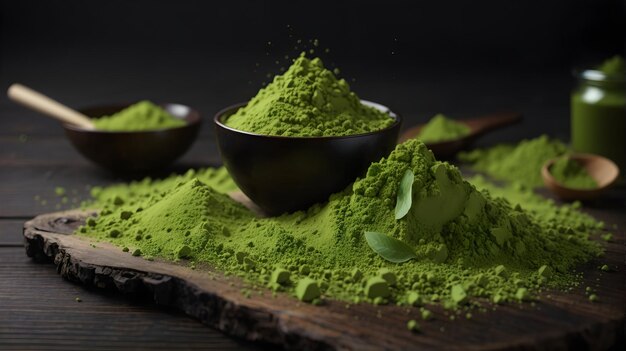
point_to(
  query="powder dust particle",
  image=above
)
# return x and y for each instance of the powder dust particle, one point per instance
(308, 100)
(413, 326)
(280, 276)
(520, 163)
(426, 314)
(141, 116)
(307, 290)
(470, 243)
(377, 287)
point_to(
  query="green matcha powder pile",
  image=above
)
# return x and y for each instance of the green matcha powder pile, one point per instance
(141, 116)
(572, 174)
(306, 101)
(440, 128)
(467, 243)
(452, 244)
(519, 163)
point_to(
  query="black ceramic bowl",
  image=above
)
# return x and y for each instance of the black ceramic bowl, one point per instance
(141, 151)
(285, 174)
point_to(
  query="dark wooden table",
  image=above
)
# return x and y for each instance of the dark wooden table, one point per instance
(38, 310)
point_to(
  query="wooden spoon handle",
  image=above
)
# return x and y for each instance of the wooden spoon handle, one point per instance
(497, 120)
(41, 103)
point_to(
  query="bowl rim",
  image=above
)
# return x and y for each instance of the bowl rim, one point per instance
(394, 115)
(193, 119)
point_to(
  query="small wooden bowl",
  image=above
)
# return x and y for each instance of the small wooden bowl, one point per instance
(286, 174)
(601, 169)
(137, 151)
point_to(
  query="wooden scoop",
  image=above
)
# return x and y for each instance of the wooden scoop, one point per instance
(478, 126)
(43, 104)
(601, 169)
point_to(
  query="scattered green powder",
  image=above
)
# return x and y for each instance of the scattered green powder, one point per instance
(307, 289)
(280, 276)
(613, 66)
(521, 162)
(572, 174)
(59, 191)
(413, 326)
(141, 116)
(308, 100)
(566, 219)
(469, 243)
(607, 236)
(440, 128)
(135, 192)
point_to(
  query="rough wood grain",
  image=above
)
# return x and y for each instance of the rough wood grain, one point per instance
(561, 321)
(38, 311)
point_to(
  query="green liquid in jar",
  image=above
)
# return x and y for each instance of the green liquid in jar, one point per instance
(598, 115)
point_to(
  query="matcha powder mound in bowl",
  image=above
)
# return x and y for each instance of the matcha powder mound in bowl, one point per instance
(572, 174)
(465, 243)
(308, 101)
(136, 138)
(302, 138)
(579, 176)
(143, 115)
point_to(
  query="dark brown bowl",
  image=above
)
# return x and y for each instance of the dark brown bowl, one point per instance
(141, 151)
(285, 174)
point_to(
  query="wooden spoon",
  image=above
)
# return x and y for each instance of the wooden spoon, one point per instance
(43, 104)
(478, 126)
(601, 169)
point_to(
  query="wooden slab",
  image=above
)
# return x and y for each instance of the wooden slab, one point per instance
(562, 321)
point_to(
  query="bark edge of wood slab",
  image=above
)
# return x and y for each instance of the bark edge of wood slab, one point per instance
(217, 301)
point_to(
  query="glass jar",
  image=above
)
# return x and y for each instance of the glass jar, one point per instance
(598, 115)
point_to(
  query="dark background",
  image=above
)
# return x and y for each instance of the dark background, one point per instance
(420, 57)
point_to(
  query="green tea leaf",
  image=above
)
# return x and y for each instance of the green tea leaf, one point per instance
(389, 248)
(405, 194)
